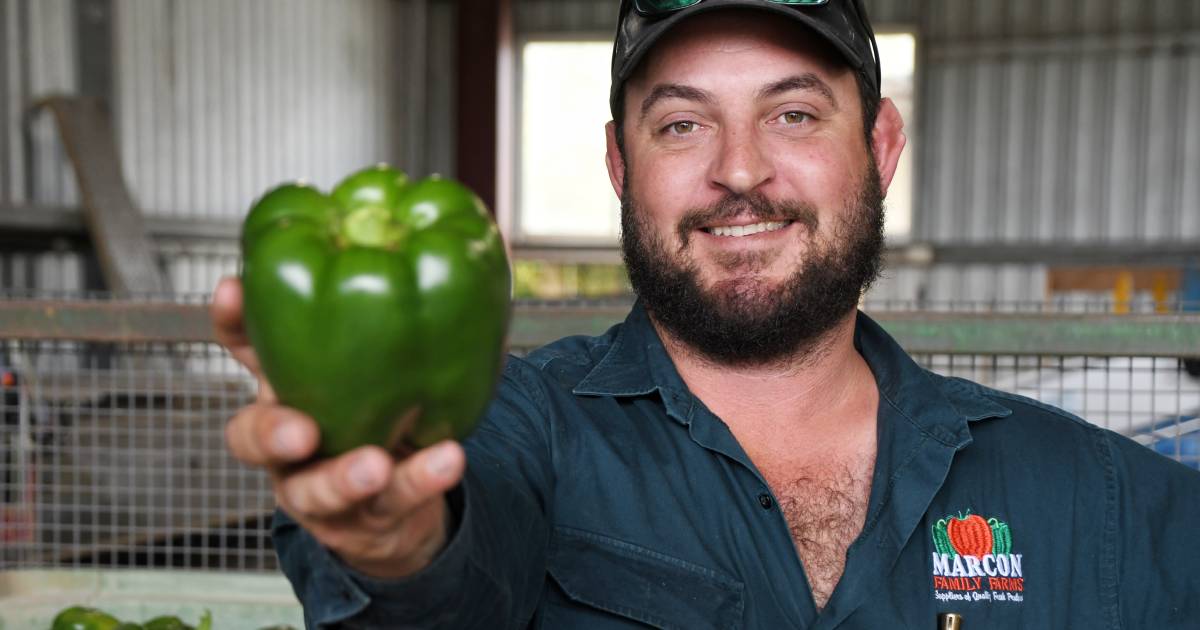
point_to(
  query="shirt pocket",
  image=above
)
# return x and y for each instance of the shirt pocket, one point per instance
(609, 583)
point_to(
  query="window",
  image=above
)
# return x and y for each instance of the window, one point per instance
(898, 50)
(563, 196)
(563, 192)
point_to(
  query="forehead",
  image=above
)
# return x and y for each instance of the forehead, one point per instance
(697, 42)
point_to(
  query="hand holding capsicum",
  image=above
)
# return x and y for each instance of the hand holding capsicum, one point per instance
(382, 517)
(373, 318)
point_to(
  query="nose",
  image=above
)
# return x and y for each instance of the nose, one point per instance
(741, 166)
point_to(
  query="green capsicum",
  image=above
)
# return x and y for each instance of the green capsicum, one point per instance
(84, 618)
(172, 622)
(166, 622)
(380, 309)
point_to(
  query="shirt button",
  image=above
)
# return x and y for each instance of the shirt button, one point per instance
(765, 501)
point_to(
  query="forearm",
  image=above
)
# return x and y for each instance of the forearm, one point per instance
(488, 575)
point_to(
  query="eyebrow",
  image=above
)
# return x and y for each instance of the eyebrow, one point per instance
(664, 91)
(808, 82)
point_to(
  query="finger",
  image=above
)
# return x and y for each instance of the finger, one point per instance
(332, 487)
(226, 311)
(271, 435)
(427, 474)
(228, 326)
(266, 394)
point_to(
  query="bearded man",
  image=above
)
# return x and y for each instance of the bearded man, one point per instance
(746, 450)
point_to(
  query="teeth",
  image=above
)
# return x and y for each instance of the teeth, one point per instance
(747, 230)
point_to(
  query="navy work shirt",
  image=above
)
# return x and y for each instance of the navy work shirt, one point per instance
(600, 493)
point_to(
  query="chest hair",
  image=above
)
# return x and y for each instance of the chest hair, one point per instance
(825, 508)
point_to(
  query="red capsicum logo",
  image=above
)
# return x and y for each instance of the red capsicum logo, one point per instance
(973, 560)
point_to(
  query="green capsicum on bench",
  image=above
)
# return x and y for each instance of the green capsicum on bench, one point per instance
(84, 618)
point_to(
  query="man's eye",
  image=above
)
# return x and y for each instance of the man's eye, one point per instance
(794, 118)
(681, 128)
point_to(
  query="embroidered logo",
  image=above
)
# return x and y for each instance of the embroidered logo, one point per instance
(973, 560)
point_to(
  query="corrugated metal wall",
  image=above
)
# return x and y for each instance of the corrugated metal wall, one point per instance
(215, 101)
(222, 98)
(1065, 120)
(1060, 120)
(1039, 119)
(39, 59)
(37, 48)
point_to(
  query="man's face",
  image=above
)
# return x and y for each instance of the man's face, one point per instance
(751, 206)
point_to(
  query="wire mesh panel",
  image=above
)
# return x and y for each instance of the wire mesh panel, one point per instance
(1155, 401)
(114, 456)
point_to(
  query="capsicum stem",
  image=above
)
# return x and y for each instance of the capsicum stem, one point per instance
(371, 226)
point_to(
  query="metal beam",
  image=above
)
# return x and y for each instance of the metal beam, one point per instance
(1051, 334)
(476, 50)
(103, 321)
(114, 223)
(1063, 253)
(1043, 47)
(534, 325)
(43, 220)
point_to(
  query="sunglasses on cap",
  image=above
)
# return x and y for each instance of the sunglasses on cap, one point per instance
(652, 8)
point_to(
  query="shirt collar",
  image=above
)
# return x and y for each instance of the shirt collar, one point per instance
(939, 406)
(625, 369)
(637, 364)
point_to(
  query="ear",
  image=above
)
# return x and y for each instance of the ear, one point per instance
(889, 140)
(613, 159)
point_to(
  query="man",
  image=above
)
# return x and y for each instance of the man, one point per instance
(746, 450)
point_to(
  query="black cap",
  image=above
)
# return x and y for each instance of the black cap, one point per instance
(843, 23)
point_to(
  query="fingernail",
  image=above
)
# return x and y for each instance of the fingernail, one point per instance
(362, 473)
(440, 461)
(286, 440)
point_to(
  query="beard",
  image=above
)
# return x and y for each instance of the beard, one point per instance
(744, 319)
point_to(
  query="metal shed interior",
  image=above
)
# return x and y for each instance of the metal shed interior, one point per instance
(1055, 238)
(1038, 124)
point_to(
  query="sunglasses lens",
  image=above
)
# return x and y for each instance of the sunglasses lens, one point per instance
(657, 7)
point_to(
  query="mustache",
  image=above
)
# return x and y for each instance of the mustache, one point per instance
(754, 205)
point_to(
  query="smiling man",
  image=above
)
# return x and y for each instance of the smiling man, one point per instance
(746, 450)
(752, 222)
